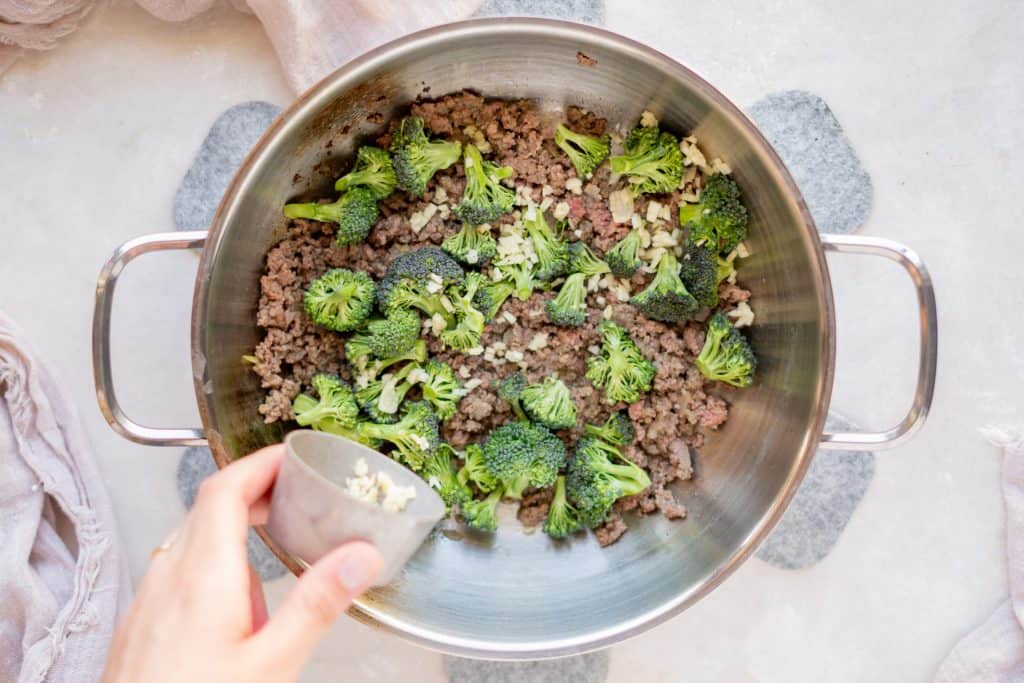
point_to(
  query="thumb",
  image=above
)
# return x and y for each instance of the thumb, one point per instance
(323, 592)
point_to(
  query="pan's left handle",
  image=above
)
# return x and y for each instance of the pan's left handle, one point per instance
(102, 372)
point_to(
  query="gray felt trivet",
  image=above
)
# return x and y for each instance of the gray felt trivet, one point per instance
(197, 464)
(589, 11)
(831, 490)
(232, 136)
(807, 136)
(589, 668)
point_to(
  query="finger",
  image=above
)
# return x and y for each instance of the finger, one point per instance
(220, 517)
(258, 601)
(318, 599)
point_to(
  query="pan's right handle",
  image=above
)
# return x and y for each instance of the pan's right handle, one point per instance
(928, 327)
(102, 372)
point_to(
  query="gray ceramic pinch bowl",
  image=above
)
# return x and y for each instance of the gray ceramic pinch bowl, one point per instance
(311, 514)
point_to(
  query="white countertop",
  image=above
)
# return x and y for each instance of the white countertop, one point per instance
(96, 136)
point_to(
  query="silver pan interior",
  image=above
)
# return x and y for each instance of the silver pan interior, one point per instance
(520, 595)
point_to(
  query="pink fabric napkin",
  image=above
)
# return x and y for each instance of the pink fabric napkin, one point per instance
(994, 651)
(312, 37)
(63, 578)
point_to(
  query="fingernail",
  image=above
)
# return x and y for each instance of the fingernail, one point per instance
(359, 568)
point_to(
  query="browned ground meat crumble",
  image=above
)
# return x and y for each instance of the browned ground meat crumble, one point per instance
(669, 420)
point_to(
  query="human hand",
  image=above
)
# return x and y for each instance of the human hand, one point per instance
(199, 614)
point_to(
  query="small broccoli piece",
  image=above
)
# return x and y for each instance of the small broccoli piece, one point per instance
(582, 260)
(372, 170)
(719, 219)
(416, 158)
(335, 404)
(520, 276)
(586, 152)
(552, 253)
(620, 369)
(569, 307)
(726, 267)
(366, 368)
(441, 389)
(652, 160)
(440, 474)
(393, 335)
(521, 455)
(726, 356)
(666, 298)
(485, 199)
(468, 325)
(549, 403)
(475, 472)
(598, 476)
(510, 389)
(490, 297)
(380, 398)
(414, 436)
(617, 430)
(562, 518)
(340, 299)
(472, 245)
(699, 273)
(624, 258)
(355, 212)
(426, 269)
(482, 515)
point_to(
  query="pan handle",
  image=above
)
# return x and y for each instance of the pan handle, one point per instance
(101, 368)
(914, 419)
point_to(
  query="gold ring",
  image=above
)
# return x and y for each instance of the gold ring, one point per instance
(163, 547)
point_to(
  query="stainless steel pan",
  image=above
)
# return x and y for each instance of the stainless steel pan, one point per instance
(518, 595)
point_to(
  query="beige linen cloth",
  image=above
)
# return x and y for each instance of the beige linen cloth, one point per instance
(994, 651)
(311, 37)
(63, 578)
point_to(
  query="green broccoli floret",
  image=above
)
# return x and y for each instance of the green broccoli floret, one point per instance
(719, 219)
(569, 307)
(652, 160)
(699, 272)
(666, 298)
(366, 368)
(624, 258)
(355, 212)
(482, 514)
(336, 404)
(440, 474)
(372, 170)
(441, 388)
(726, 266)
(472, 245)
(417, 269)
(520, 276)
(340, 299)
(510, 389)
(620, 369)
(381, 397)
(582, 260)
(598, 476)
(617, 429)
(586, 152)
(393, 335)
(521, 455)
(726, 356)
(416, 158)
(335, 412)
(475, 472)
(490, 297)
(468, 325)
(549, 403)
(562, 518)
(485, 199)
(414, 436)
(552, 253)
